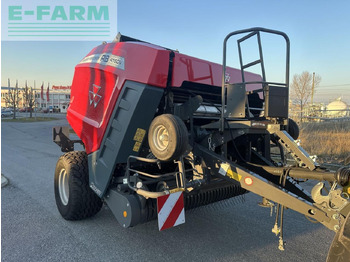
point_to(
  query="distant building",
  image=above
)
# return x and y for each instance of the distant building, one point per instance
(337, 108)
(4, 94)
(58, 101)
(314, 110)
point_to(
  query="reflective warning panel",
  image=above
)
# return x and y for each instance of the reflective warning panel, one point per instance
(225, 170)
(171, 210)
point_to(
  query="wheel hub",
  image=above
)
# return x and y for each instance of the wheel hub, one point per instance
(63, 186)
(161, 137)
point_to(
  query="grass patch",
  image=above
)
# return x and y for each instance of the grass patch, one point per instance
(33, 119)
(330, 141)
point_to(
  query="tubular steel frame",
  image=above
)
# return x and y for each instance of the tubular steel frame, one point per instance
(251, 32)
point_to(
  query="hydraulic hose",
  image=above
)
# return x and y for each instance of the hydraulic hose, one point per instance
(341, 176)
(149, 194)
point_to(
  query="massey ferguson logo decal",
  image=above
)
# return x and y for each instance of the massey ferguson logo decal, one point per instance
(94, 97)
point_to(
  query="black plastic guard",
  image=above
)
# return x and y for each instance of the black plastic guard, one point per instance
(127, 128)
(125, 207)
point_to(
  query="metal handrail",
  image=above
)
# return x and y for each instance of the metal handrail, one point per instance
(251, 31)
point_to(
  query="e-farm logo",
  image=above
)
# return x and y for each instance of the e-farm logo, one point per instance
(44, 20)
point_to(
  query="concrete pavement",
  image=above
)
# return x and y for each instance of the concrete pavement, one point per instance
(4, 181)
(33, 230)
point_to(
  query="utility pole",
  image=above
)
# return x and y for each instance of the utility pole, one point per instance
(15, 100)
(313, 89)
(35, 103)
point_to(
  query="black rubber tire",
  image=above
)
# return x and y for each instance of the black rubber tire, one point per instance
(82, 201)
(293, 129)
(340, 250)
(177, 137)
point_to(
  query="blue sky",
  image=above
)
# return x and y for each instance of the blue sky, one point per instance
(318, 30)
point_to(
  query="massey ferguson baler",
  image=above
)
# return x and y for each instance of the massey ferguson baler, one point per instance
(164, 132)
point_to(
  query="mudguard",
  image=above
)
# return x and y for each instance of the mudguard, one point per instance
(126, 130)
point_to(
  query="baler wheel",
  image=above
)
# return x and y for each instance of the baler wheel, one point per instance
(167, 137)
(340, 247)
(74, 198)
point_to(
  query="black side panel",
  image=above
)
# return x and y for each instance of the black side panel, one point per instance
(133, 113)
(276, 98)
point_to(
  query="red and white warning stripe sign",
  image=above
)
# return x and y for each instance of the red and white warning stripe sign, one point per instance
(171, 210)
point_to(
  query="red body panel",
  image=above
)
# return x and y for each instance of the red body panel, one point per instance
(97, 84)
(99, 77)
(187, 68)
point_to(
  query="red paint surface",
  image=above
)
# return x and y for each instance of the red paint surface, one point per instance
(144, 63)
(187, 68)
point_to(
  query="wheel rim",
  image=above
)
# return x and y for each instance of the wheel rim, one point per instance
(160, 137)
(63, 186)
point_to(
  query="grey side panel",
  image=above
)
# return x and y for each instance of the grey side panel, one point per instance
(236, 101)
(134, 111)
(126, 208)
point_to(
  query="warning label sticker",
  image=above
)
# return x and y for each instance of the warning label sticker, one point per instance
(136, 147)
(226, 170)
(139, 136)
